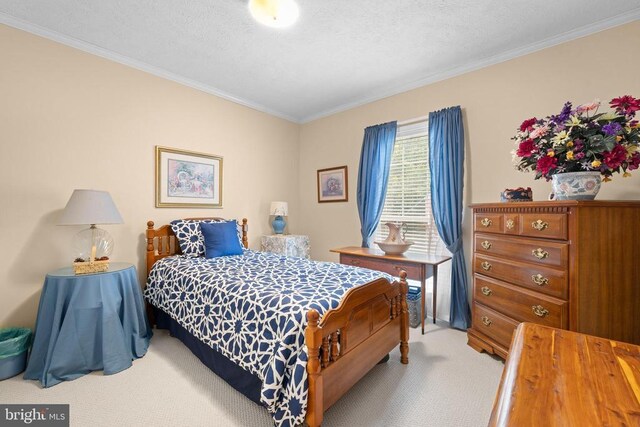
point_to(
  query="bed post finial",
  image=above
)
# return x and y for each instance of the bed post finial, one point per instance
(150, 225)
(313, 339)
(404, 319)
(245, 229)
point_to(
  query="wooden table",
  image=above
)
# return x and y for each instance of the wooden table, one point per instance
(418, 267)
(554, 377)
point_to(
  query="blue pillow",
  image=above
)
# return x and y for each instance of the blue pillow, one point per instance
(220, 239)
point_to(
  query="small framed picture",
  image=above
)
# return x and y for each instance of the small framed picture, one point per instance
(333, 185)
(185, 179)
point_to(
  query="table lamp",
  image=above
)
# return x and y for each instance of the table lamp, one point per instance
(279, 209)
(91, 207)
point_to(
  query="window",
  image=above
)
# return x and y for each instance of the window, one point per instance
(408, 197)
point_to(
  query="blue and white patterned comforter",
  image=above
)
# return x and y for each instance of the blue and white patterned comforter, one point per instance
(252, 309)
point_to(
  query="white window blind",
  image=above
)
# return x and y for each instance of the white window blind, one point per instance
(408, 197)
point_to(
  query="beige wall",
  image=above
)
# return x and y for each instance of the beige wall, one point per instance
(70, 120)
(495, 100)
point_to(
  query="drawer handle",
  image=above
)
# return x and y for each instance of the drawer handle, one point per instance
(355, 262)
(539, 225)
(540, 253)
(486, 321)
(539, 310)
(510, 224)
(485, 266)
(486, 222)
(486, 245)
(539, 279)
(486, 291)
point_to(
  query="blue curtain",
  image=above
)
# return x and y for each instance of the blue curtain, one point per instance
(373, 176)
(446, 162)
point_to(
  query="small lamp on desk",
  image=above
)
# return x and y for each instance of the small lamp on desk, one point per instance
(92, 245)
(279, 209)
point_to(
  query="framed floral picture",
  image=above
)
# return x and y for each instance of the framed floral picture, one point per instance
(333, 185)
(186, 179)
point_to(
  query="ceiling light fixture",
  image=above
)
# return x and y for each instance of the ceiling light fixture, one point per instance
(274, 13)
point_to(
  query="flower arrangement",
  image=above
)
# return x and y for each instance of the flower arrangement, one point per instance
(581, 139)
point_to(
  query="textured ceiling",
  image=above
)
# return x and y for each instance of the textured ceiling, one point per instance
(339, 54)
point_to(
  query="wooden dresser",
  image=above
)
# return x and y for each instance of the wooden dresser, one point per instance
(566, 264)
(559, 378)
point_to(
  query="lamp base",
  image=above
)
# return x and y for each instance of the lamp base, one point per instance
(90, 267)
(92, 244)
(278, 224)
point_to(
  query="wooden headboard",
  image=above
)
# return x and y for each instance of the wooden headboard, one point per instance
(161, 242)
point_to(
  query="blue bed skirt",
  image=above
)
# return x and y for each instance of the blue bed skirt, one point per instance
(243, 381)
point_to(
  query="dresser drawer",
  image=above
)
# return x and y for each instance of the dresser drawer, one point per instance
(489, 223)
(549, 281)
(511, 223)
(386, 266)
(530, 250)
(550, 226)
(519, 303)
(546, 225)
(493, 324)
(356, 261)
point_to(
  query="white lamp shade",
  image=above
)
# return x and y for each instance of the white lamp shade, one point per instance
(279, 208)
(90, 207)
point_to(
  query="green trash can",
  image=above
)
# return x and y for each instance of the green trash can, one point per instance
(14, 348)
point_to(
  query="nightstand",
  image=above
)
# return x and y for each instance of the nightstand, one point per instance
(87, 323)
(286, 244)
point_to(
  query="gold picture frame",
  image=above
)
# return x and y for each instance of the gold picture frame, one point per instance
(187, 179)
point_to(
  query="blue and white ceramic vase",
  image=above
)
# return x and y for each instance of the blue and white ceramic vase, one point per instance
(576, 185)
(278, 224)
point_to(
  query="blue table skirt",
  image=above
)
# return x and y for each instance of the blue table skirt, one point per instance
(88, 323)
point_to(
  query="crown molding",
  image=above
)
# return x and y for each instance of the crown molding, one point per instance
(380, 94)
(133, 63)
(586, 30)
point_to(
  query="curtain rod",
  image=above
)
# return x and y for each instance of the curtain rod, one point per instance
(412, 121)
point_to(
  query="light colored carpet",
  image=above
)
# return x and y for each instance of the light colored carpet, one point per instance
(445, 384)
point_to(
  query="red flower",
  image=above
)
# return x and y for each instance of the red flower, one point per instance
(528, 124)
(614, 158)
(545, 164)
(626, 105)
(634, 162)
(526, 148)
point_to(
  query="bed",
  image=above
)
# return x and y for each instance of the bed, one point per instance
(291, 334)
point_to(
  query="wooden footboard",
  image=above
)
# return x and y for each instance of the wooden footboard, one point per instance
(351, 339)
